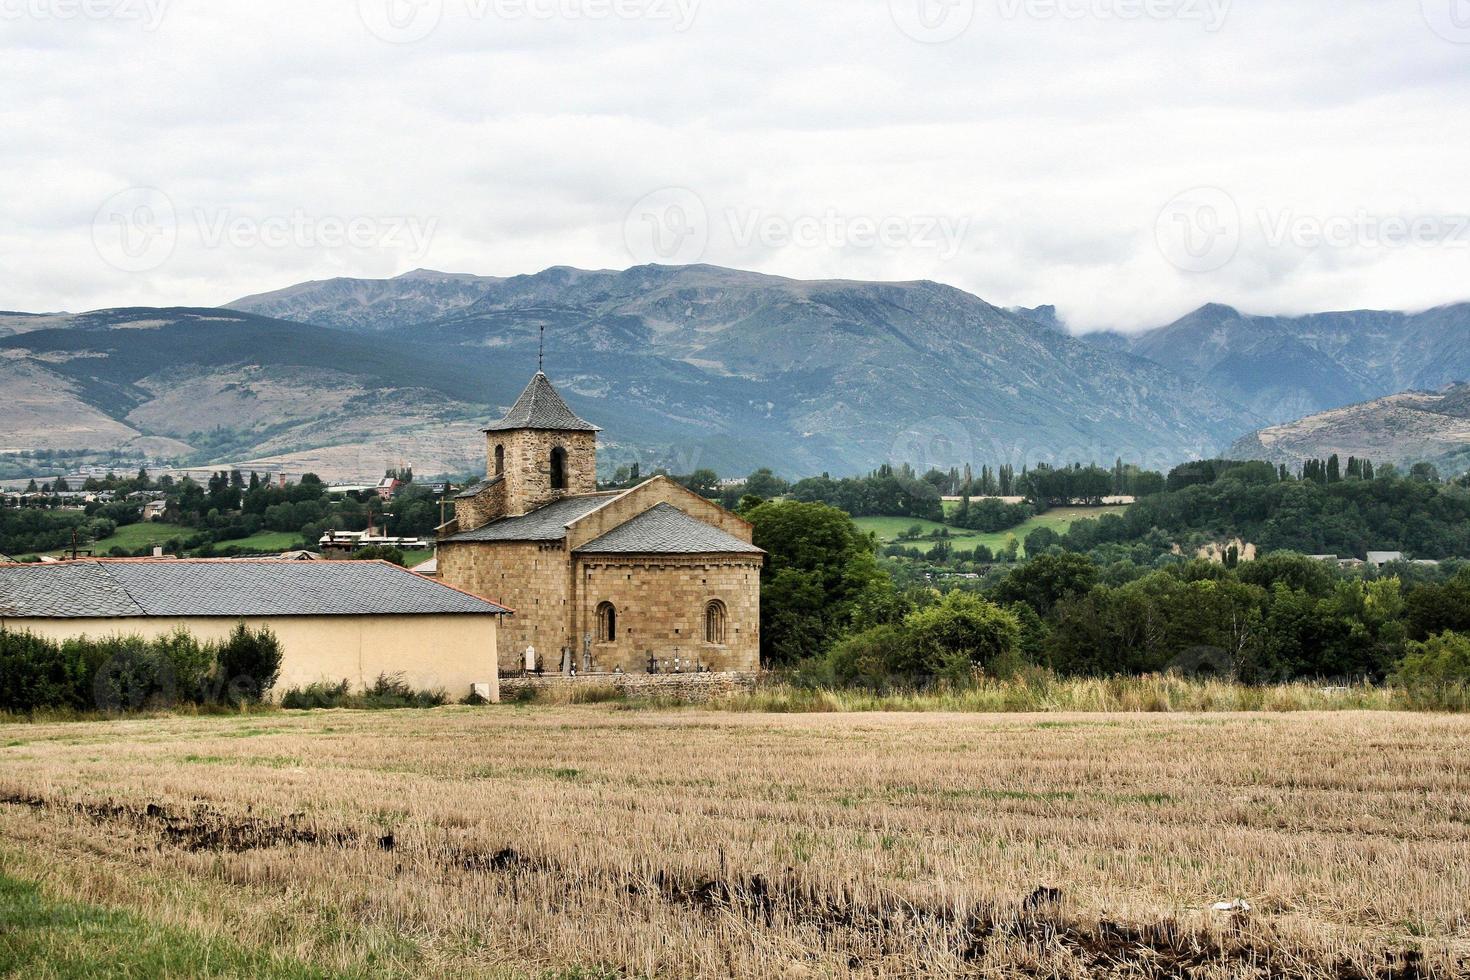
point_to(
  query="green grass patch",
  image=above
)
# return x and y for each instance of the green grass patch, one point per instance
(147, 534)
(1059, 519)
(42, 938)
(272, 541)
(131, 537)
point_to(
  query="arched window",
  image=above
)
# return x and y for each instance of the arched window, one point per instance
(499, 460)
(558, 469)
(714, 622)
(607, 623)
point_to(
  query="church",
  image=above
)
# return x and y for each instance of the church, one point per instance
(655, 577)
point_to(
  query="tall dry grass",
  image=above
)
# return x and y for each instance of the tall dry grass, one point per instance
(1044, 692)
(532, 841)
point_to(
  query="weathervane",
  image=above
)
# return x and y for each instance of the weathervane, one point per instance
(541, 350)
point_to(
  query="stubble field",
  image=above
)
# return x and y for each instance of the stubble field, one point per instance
(588, 841)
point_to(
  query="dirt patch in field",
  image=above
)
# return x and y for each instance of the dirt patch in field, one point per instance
(875, 924)
(199, 828)
(887, 924)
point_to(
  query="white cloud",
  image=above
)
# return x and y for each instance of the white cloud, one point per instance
(1052, 132)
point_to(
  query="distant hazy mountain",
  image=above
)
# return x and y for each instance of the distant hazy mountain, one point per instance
(686, 367)
(838, 375)
(203, 385)
(1282, 368)
(370, 305)
(1046, 316)
(1405, 428)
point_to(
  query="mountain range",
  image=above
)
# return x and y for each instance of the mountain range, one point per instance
(689, 366)
(1282, 368)
(1405, 428)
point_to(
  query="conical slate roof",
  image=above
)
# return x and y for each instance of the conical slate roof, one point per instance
(540, 407)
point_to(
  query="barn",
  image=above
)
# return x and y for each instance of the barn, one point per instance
(336, 620)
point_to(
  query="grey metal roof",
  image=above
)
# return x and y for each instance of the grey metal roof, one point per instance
(665, 529)
(547, 523)
(540, 407)
(127, 588)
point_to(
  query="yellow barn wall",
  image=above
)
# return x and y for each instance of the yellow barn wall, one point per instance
(449, 652)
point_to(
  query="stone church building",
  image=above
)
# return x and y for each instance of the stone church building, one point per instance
(599, 580)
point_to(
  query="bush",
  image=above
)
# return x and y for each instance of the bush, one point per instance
(247, 665)
(129, 673)
(34, 672)
(962, 632)
(1442, 660)
(134, 674)
(388, 691)
(380, 552)
(322, 694)
(874, 657)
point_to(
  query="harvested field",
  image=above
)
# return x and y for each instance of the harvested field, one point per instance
(594, 841)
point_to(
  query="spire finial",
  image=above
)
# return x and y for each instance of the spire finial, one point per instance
(541, 351)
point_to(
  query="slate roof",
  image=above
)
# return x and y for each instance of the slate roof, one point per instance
(476, 489)
(221, 587)
(547, 523)
(540, 407)
(665, 529)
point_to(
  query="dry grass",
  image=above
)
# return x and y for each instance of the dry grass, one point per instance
(1043, 691)
(588, 841)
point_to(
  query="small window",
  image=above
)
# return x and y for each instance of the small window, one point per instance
(499, 460)
(558, 469)
(607, 623)
(714, 622)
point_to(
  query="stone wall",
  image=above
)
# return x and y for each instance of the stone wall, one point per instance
(477, 511)
(692, 688)
(528, 466)
(660, 602)
(531, 578)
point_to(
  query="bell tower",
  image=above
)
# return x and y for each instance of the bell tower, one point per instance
(542, 450)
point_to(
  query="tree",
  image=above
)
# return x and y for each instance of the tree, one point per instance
(1045, 580)
(379, 552)
(1438, 608)
(1041, 540)
(704, 482)
(766, 484)
(248, 664)
(1441, 660)
(962, 632)
(821, 579)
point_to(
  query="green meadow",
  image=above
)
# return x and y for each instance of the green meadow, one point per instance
(1059, 519)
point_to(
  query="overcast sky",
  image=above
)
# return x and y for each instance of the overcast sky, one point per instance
(1126, 160)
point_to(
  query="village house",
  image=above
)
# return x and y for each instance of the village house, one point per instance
(653, 578)
(336, 620)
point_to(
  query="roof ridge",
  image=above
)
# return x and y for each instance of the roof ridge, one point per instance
(123, 588)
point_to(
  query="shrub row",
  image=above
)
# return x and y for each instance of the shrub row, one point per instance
(388, 691)
(130, 673)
